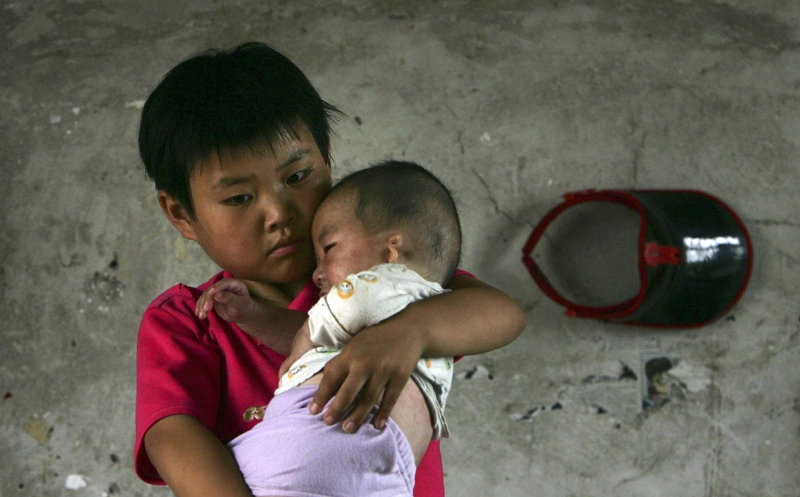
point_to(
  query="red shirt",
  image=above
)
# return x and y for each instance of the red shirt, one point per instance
(212, 370)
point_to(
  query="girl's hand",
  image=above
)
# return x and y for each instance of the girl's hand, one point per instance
(472, 319)
(230, 299)
(372, 368)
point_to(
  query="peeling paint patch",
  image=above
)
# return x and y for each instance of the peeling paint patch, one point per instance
(613, 389)
(625, 374)
(75, 482)
(667, 378)
(103, 288)
(180, 248)
(695, 378)
(134, 104)
(477, 372)
(39, 430)
(528, 416)
(657, 385)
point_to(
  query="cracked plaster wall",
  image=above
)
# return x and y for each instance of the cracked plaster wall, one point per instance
(512, 103)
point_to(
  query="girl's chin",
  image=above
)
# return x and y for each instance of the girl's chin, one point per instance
(293, 274)
(285, 275)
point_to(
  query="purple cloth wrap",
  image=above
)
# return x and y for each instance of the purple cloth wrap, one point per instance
(292, 453)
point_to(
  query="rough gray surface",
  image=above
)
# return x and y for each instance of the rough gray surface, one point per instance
(512, 103)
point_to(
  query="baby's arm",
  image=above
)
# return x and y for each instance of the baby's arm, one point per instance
(471, 319)
(300, 345)
(272, 326)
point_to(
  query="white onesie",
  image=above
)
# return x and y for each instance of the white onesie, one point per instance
(362, 300)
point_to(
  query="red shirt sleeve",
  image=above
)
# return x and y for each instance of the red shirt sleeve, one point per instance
(177, 372)
(459, 272)
(208, 369)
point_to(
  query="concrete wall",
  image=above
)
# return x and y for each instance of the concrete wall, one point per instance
(512, 103)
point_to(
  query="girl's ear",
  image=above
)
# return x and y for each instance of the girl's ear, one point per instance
(177, 215)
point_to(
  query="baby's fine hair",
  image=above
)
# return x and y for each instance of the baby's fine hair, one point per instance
(224, 103)
(401, 194)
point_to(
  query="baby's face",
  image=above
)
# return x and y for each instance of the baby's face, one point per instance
(342, 245)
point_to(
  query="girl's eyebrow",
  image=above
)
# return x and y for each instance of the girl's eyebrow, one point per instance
(295, 156)
(227, 181)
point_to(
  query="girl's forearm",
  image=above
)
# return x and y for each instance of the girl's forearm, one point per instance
(192, 461)
(473, 318)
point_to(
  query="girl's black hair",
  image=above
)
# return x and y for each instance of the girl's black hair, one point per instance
(221, 103)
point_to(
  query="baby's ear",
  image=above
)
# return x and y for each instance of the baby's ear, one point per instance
(177, 215)
(396, 247)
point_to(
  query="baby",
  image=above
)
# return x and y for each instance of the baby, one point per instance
(384, 237)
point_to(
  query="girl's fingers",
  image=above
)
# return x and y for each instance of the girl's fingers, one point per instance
(367, 399)
(331, 381)
(390, 397)
(343, 384)
(353, 392)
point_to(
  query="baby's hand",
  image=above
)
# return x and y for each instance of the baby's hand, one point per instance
(230, 299)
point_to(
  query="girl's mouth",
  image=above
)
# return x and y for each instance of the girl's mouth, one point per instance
(285, 247)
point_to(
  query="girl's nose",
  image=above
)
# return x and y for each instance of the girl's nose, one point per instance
(278, 213)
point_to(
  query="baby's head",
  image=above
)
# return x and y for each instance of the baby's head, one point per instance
(395, 212)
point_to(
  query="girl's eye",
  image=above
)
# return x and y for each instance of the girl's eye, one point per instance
(298, 176)
(327, 248)
(239, 199)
